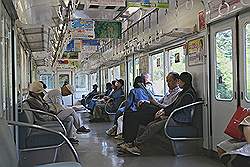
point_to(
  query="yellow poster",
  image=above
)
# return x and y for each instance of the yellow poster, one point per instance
(195, 51)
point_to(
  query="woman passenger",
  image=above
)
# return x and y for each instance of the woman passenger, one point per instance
(135, 95)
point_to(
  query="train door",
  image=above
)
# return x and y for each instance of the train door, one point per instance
(244, 59)
(223, 76)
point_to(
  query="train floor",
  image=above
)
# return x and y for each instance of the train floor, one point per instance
(97, 149)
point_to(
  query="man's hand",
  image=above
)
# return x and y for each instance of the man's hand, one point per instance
(141, 102)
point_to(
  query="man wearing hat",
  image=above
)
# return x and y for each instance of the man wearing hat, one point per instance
(54, 99)
(36, 101)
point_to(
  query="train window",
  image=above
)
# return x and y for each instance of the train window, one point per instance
(110, 74)
(224, 65)
(49, 80)
(177, 59)
(247, 52)
(137, 67)
(157, 72)
(81, 81)
(130, 74)
(63, 79)
(117, 72)
(93, 79)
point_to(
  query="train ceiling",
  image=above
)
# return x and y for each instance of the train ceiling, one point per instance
(43, 23)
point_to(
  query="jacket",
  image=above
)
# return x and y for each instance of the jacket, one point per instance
(186, 96)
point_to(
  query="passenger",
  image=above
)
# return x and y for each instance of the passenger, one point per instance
(35, 101)
(113, 101)
(135, 95)
(186, 96)
(54, 99)
(44, 87)
(148, 83)
(150, 110)
(92, 103)
(89, 97)
(236, 147)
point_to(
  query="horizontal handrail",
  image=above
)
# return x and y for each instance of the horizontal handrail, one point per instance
(171, 115)
(48, 130)
(46, 113)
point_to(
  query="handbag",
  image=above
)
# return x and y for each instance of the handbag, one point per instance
(232, 128)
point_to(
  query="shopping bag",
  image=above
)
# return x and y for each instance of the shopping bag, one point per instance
(232, 128)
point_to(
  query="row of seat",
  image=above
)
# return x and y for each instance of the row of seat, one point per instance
(42, 135)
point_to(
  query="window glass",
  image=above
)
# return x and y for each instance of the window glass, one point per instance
(247, 51)
(137, 67)
(49, 80)
(110, 74)
(81, 81)
(117, 72)
(130, 74)
(157, 73)
(224, 65)
(177, 60)
(63, 79)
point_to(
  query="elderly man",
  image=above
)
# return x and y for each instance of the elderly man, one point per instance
(36, 101)
(54, 99)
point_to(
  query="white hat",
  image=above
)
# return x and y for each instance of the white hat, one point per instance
(36, 87)
(70, 88)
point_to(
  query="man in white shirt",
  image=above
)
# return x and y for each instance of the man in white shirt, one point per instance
(54, 99)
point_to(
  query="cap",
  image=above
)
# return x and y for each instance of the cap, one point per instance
(36, 87)
(121, 81)
(70, 88)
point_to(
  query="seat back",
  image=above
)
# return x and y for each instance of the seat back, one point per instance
(27, 117)
(197, 119)
(8, 154)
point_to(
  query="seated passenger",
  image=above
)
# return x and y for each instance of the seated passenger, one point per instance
(54, 99)
(92, 103)
(89, 97)
(35, 101)
(135, 95)
(229, 148)
(186, 96)
(150, 110)
(113, 101)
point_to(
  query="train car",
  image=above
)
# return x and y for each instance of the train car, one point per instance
(125, 83)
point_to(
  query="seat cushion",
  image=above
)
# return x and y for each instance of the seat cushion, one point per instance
(61, 164)
(38, 138)
(182, 131)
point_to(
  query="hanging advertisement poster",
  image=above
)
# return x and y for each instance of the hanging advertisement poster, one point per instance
(108, 2)
(70, 55)
(108, 29)
(195, 51)
(82, 29)
(162, 4)
(202, 20)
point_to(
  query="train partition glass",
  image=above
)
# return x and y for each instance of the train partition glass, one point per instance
(247, 60)
(177, 60)
(224, 65)
(49, 80)
(157, 72)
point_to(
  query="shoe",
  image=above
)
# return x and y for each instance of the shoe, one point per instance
(110, 131)
(73, 141)
(82, 130)
(133, 150)
(119, 137)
